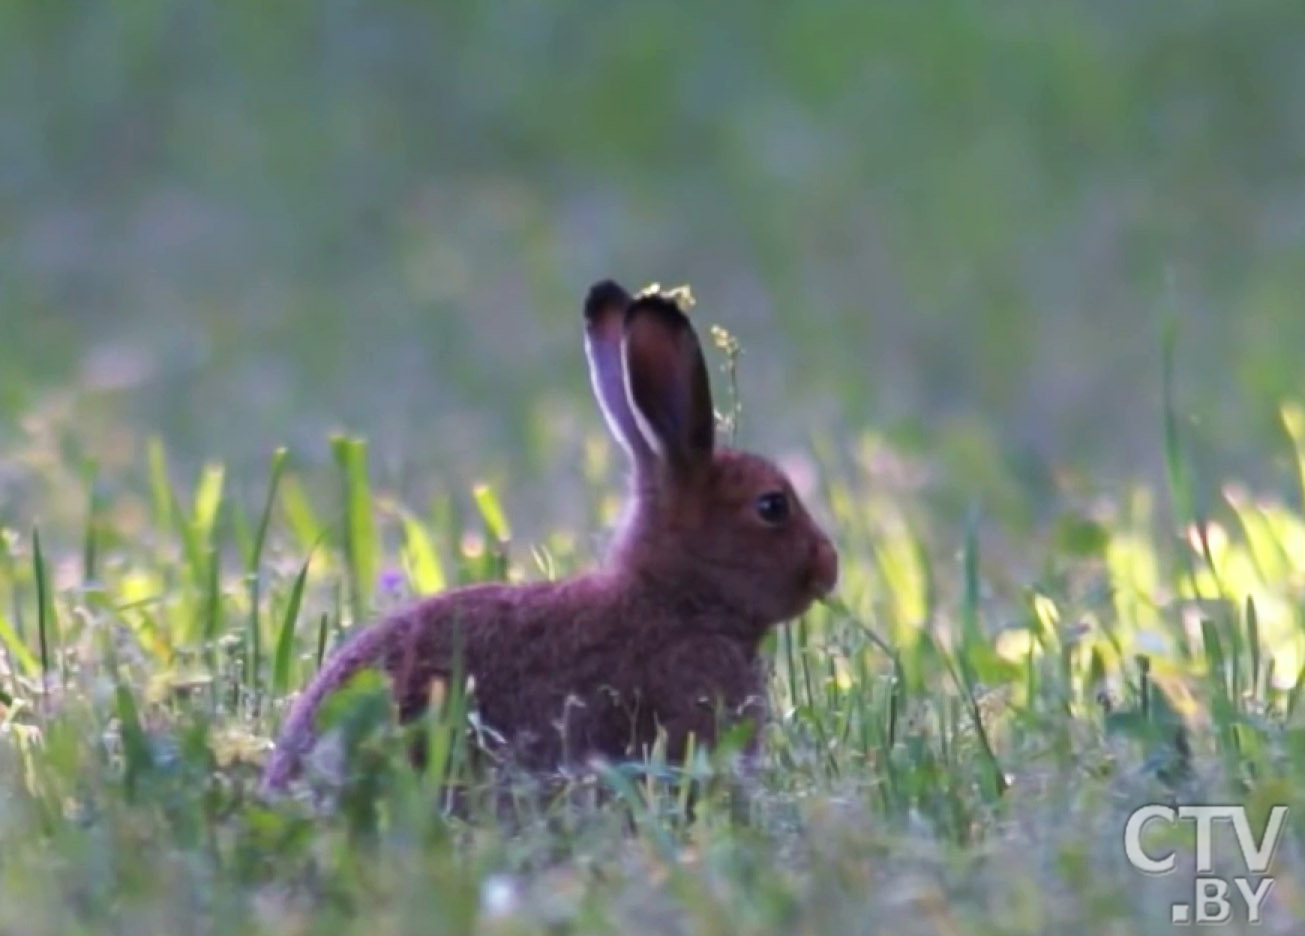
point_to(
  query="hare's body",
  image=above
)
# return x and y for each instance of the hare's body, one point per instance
(664, 636)
(569, 670)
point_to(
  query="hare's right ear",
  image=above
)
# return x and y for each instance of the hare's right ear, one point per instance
(667, 384)
(604, 329)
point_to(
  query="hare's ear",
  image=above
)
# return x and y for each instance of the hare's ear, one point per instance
(604, 328)
(667, 384)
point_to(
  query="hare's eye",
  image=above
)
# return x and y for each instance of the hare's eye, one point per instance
(773, 507)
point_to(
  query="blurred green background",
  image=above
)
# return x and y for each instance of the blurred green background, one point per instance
(961, 223)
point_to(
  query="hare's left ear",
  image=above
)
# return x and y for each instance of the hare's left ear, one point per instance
(667, 383)
(604, 330)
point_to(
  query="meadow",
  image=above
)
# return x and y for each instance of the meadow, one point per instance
(290, 333)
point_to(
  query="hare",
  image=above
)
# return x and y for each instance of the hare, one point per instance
(715, 550)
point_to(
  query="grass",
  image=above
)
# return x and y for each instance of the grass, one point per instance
(958, 737)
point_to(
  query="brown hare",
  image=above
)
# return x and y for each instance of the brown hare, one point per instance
(714, 551)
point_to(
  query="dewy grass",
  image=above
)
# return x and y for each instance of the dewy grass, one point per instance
(254, 576)
(947, 753)
(359, 538)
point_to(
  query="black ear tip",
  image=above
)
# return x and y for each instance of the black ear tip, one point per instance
(603, 295)
(660, 306)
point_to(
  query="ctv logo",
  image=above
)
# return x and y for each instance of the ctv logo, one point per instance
(1213, 897)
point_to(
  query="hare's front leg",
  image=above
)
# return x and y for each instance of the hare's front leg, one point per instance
(703, 686)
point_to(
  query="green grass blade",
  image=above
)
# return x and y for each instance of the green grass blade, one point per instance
(323, 626)
(997, 776)
(10, 568)
(971, 634)
(135, 744)
(90, 545)
(160, 487)
(212, 621)
(790, 667)
(299, 514)
(496, 525)
(1215, 657)
(286, 639)
(253, 563)
(45, 622)
(17, 649)
(208, 500)
(213, 597)
(420, 559)
(491, 512)
(265, 519)
(1294, 694)
(359, 530)
(1222, 712)
(1293, 421)
(1254, 646)
(241, 531)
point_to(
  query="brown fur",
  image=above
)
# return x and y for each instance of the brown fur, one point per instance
(665, 634)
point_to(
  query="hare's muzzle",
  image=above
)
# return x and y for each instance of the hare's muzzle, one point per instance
(824, 568)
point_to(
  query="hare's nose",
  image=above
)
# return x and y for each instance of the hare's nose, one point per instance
(824, 567)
